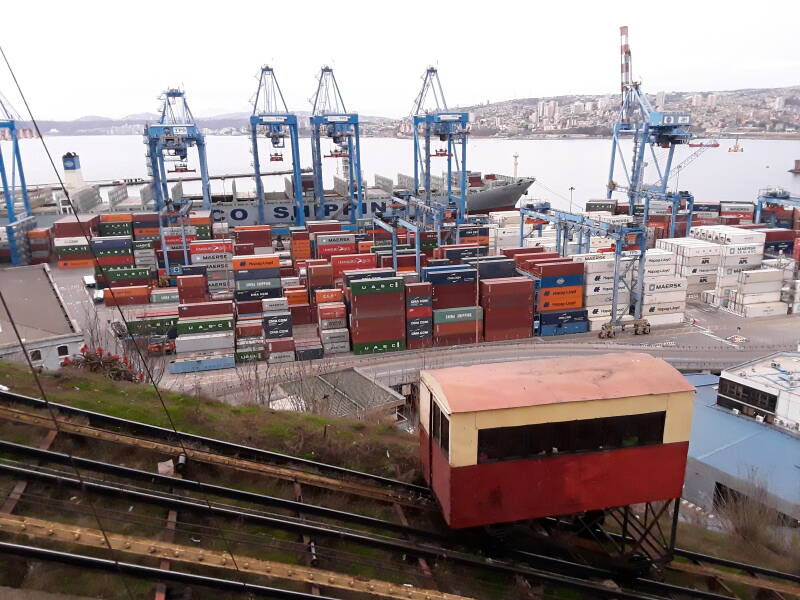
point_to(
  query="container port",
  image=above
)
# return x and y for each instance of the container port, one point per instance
(434, 388)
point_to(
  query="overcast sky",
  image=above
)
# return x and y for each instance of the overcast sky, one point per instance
(113, 58)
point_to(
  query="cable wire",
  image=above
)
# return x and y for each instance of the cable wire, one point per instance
(138, 350)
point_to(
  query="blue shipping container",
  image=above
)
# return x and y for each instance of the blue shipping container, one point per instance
(207, 363)
(271, 273)
(561, 281)
(452, 277)
(567, 316)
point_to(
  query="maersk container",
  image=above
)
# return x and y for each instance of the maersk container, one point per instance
(457, 315)
(202, 363)
(206, 325)
(202, 342)
(376, 286)
(269, 304)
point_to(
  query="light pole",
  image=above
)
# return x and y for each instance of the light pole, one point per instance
(571, 189)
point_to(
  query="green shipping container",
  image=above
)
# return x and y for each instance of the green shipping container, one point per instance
(388, 248)
(384, 285)
(123, 273)
(67, 250)
(593, 205)
(457, 315)
(379, 347)
(153, 325)
(215, 325)
(249, 355)
(113, 252)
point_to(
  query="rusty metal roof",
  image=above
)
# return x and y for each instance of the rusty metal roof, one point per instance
(539, 382)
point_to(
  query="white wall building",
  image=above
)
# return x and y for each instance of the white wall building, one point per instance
(40, 315)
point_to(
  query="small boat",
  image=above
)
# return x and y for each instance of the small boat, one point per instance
(736, 146)
(704, 145)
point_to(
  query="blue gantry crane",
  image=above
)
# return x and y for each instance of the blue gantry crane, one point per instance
(329, 117)
(623, 236)
(649, 129)
(168, 141)
(774, 196)
(272, 119)
(13, 187)
(451, 127)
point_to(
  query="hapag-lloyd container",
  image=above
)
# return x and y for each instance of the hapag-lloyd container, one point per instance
(663, 297)
(660, 308)
(623, 297)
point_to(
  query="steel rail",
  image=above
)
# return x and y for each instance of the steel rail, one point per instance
(153, 573)
(222, 447)
(214, 490)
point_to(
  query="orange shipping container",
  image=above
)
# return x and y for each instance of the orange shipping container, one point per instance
(560, 298)
(76, 264)
(332, 295)
(146, 231)
(252, 228)
(116, 218)
(121, 296)
(39, 233)
(364, 247)
(260, 261)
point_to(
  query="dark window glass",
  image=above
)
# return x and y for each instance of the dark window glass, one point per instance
(63, 350)
(730, 393)
(36, 355)
(440, 428)
(569, 437)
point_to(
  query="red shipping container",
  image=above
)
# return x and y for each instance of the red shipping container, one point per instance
(130, 282)
(211, 247)
(251, 328)
(191, 281)
(550, 270)
(414, 312)
(205, 309)
(321, 226)
(279, 345)
(301, 314)
(419, 290)
(512, 252)
(331, 310)
(245, 307)
(335, 249)
(520, 258)
(419, 343)
(242, 249)
(345, 262)
(115, 261)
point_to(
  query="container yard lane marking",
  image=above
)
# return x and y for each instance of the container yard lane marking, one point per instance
(707, 332)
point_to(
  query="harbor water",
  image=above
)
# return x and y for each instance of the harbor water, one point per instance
(557, 164)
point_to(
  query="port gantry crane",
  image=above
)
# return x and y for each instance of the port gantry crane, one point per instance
(451, 127)
(567, 224)
(18, 224)
(329, 117)
(774, 196)
(169, 141)
(272, 118)
(647, 128)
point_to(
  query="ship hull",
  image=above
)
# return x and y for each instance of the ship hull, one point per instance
(280, 211)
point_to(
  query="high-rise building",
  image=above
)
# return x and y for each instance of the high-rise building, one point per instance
(697, 100)
(780, 103)
(711, 100)
(661, 98)
(552, 109)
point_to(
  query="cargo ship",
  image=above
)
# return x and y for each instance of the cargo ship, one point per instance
(486, 193)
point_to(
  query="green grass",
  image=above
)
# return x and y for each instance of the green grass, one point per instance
(379, 449)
